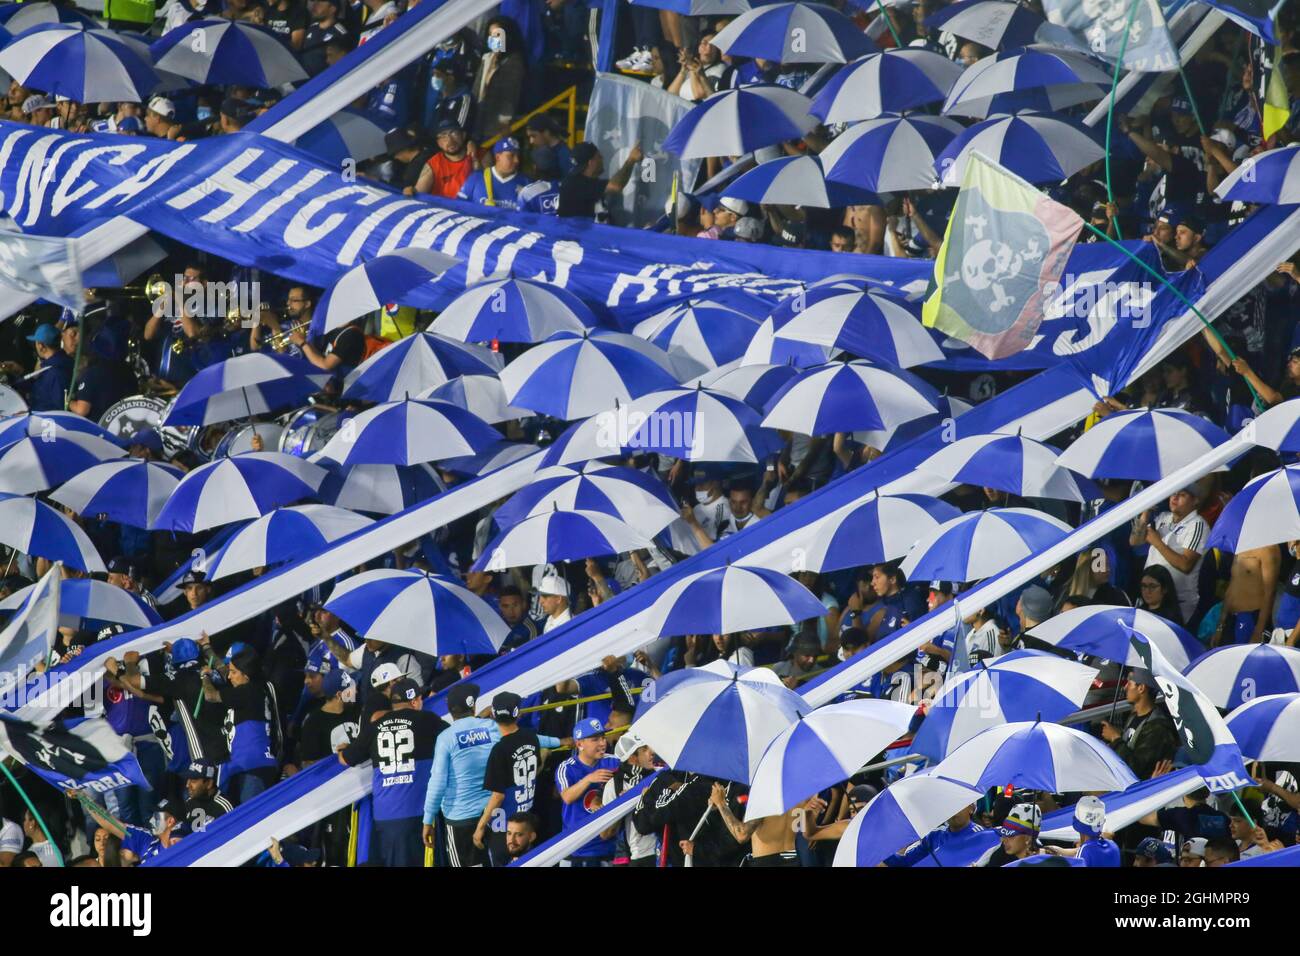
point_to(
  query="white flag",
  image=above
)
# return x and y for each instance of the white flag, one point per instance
(43, 266)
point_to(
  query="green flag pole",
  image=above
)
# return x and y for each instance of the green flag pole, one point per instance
(1110, 112)
(58, 854)
(889, 23)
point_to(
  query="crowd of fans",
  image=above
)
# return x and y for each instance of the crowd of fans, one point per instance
(217, 719)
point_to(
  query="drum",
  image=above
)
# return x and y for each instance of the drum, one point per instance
(136, 413)
(240, 439)
(308, 430)
(179, 438)
(11, 402)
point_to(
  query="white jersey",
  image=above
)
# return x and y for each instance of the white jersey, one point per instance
(1189, 534)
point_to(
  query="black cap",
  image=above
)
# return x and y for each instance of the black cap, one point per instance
(447, 126)
(198, 770)
(1195, 223)
(544, 124)
(584, 153)
(463, 696)
(121, 565)
(404, 690)
(193, 577)
(397, 140)
(505, 706)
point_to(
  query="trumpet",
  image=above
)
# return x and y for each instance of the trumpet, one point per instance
(150, 290)
(281, 340)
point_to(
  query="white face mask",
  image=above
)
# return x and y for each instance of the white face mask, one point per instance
(703, 497)
(842, 654)
(496, 42)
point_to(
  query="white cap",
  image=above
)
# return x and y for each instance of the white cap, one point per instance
(1089, 815)
(162, 106)
(750, 228)
(1225, 137)
(627, 745)
(555, 585)
(738, 206)
(37, 101)
(385, 673)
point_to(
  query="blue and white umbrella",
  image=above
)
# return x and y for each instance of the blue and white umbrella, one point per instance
(741, 120)
(990, 23)
(642, 502)
(796, 181)
(1033, 755)
(980, 544)
(883, 528)
(887, 82)
(378, 489)
(766, 349)
(48, 425)
(1022, 685)
(416, 363)
(423, 612)
(573, 375)
(718, 719)
(1010, 463)
(85, 599)
(41, 460)
(18, 17)
(890, 153)
(498, 456)
(794, 33)
(130, 491)
(481, 395)
(83, 65)
(347, 135)
(513, 310)
(244, 386)
(697, 8)
(875, 325)
(408, 433)
(1270, 178)
(847, 396)
(752, 384)
(1142, 444)
(238, 488)
(697, 424)
(368, 287)
(1268, 728)
(285, 534)
(221, 52)
(559, 536)
(825, 747)
(1016, 79)
(729, 600)
(1279, 427)
(704, 331)
(1040, 149)
(899, 816)
(1102, 630)
(33, 527)
(1230, 676)
(1265, 512)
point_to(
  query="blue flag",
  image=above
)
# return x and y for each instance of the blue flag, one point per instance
(73, 755)
(1131, 31)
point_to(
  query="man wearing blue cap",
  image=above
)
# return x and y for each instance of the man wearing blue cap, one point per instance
(580, 781)
(48, 386)
(500, 183)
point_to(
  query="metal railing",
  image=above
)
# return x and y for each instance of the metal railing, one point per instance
(568, 101)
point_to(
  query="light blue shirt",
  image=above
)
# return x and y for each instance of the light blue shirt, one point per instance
(459, 762)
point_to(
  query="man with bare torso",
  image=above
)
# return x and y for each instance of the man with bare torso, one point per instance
(1248, 603)
(771, 839)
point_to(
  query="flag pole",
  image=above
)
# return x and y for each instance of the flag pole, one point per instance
(1110, 112)
(58, 854)
(1242, 807)
(889, 23)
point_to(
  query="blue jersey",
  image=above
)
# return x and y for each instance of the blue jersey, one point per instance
(540, 197)
(960, 848)
(575, 814)
(1099, 852)
(459, 760)
(321, 659)
(141, 842)
(503, 194)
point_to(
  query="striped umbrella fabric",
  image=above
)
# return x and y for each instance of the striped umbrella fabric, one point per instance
(573, 375)
(427, 613)
(899, 816)
(497, 456)
(36, 462)
(1040, 149)
(221, 52)
(481, 395)
(796, 181)
(794, 33)
(980, 544)
(890, 153)
(883, 528)
(1142, 444)
(752, 384)
(990, 23)
(766, 349)
(33, 527)
(1268, 728)
(368, 287)
(559, 536)
(1011, 463)
(416, 364)
(741, 120)
(718, 719)
(378, 489)
(847, 396)
(1270, 178)
(1022, 685)
(825, 747)
(881, 327)
(1278, 428)
(47, 425)
(347, 135)
(697, 8)
(887, 82)
(729, 600)
(513, 310)
(1033, 755)
(1231, 676)
(285, 534)
(238, 488)
(1102, 630)
(83, 65)
(244, 386)
(706, 332)
(1021, 70)
(642, 502)
(131, 491)
(18, 17)
(1265, 512)
(407, 433)
(85, 599)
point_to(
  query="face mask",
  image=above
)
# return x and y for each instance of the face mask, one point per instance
(702, 497)
(496, 43)
(843, 654)
(203, 114)
(437, 84)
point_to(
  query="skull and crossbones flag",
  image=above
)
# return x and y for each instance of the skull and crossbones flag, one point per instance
(1002, 257)
(1131, 31)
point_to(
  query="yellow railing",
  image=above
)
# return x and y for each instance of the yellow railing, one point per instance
(568, 101)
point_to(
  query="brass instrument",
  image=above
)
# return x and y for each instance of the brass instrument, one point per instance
(150, 290)
(281, 340)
